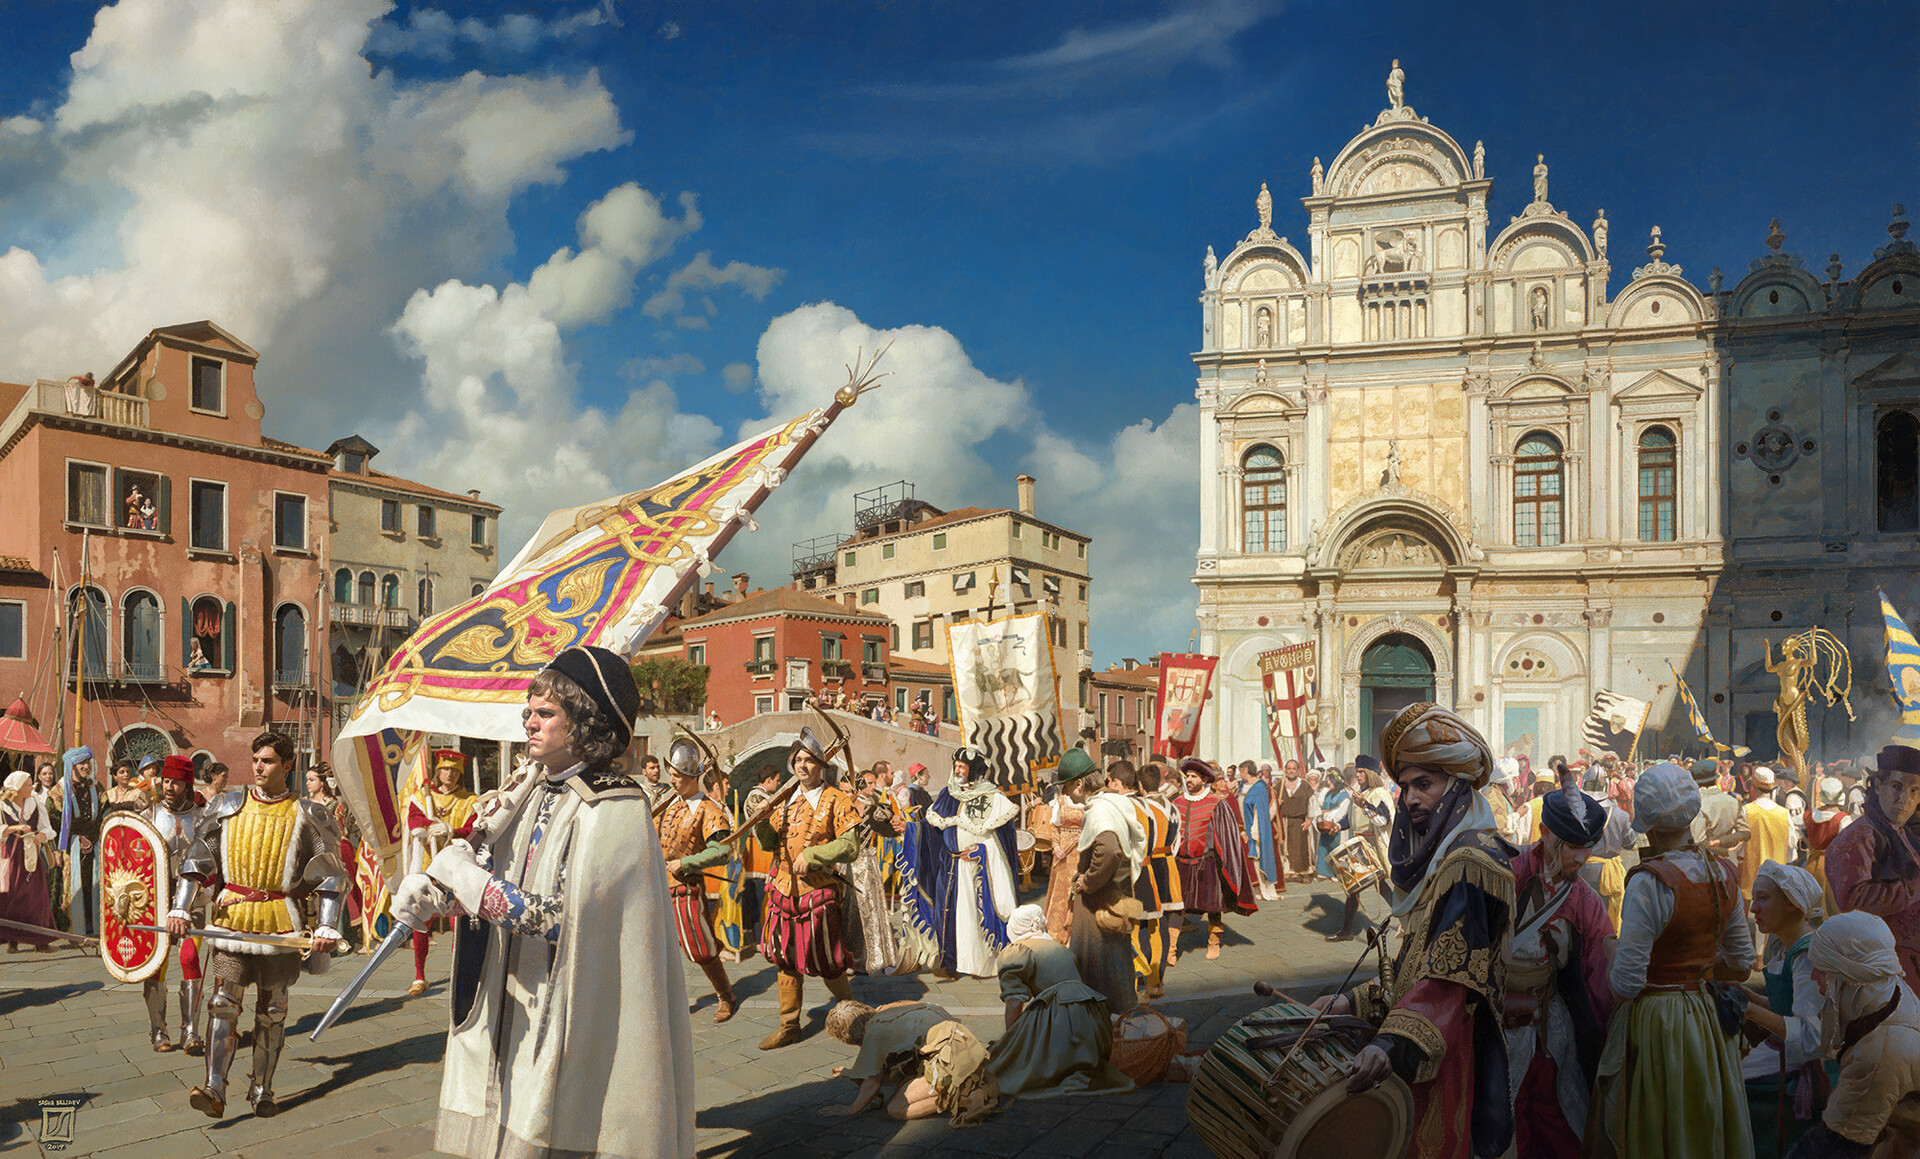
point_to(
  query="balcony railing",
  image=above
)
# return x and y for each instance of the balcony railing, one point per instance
(370, 615)
(762, 667)
(873, 673)
(292, 678)
(48, 397)
(836, 669)
(142, 671)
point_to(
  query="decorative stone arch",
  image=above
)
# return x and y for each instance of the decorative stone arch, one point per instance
(1552, 644)
(1276, 253)
(1262, 402)
(1556, 231)
(1892, 283)
(1642, 303)
(1247, 649)
(1437, 645)
(138, 740)
(1397, 142)
(1779, 288)
(1536, 386)
(1404, 509)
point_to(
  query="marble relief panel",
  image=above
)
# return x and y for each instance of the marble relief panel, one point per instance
(1346, 257)
(1502, 307)
(1346, 319)
(1412, 402)
(1230, 325)
(1450, 250)
(1450, 473)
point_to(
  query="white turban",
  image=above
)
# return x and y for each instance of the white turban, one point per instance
(1508, 770)
(1665, 797)
(1800, 887)
(1832, 799)
(1436, 738)
(1028, 921)
(17, 780)
(1855, 951)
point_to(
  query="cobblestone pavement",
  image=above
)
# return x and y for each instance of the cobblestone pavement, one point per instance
(70, 1033)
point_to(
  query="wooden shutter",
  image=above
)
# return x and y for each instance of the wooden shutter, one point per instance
(228, 626)
(186, 630)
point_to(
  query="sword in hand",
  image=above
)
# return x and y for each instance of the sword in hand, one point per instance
(398, 936)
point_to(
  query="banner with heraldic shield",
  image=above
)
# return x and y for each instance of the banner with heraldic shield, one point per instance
(135, 890)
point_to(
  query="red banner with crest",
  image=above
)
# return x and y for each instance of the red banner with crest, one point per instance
(1184, 681)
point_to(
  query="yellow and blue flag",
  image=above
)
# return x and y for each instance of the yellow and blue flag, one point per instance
(1699, 720)
(1903, 672)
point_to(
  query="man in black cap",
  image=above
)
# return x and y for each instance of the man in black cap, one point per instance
(568, 958)
(1557, 998)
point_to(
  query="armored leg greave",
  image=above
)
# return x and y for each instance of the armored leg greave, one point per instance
(190, 1016)
(154, 990)
(223, 1035)
(269, 1033)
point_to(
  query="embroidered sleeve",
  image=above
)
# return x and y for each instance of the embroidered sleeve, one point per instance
(532, 914)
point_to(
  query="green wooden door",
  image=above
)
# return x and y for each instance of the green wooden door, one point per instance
(1394, 672)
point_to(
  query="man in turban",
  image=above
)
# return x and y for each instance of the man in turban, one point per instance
(1871, 1022)
(1557, 995)
(1439, 1007)
(1213, 854)
(81, 811)
(1682, 925)
(1874, 864)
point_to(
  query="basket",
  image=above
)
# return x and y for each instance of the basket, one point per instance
(1144, 1042)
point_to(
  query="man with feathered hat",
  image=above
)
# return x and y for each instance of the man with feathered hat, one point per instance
(1439, 1006)
(1874, 864)
(694, 832)
(804, 931)
(571, 1033)
(1557, 995)
(438, 811)
(1213, 853)
(961, 864)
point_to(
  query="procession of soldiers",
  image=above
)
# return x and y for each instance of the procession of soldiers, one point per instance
(1558, 950)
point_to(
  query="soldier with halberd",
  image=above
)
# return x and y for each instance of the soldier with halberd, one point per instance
(261, 851)
(694, 832)
(804, 931)
(176, 817)
(570, 1028)
(1439, 1006)
(437, 813)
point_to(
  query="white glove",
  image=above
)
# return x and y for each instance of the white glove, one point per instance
(455, 868)
(439, 831)
(417, 900)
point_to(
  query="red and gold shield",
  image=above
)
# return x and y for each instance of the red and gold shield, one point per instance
(134, 885)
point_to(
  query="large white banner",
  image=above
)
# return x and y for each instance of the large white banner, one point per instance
(1009, 700)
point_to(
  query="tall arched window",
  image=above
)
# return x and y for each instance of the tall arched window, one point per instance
(390, 592)
(290, 646)
(1263, 501)
(87, 620)
(1537, 491)
(1896, 470)
(366, 588)
(1659, 456)
(140, 636)
(343, 586)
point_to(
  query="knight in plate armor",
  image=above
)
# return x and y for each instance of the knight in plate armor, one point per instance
(436, 815)
(176, 816)
(261, 852)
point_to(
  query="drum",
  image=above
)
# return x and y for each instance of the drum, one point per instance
(1243, 1106)
(1353, 864)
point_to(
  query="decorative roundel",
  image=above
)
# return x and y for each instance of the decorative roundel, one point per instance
(1528, 664)
(1774, 447)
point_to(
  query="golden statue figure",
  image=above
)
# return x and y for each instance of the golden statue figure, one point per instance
(1799, 670)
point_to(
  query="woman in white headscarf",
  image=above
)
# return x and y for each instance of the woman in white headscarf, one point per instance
(1786, 906)
(1059, 1037)
(1871, 1021)
(24, 834)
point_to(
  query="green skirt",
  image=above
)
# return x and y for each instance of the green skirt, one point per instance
(1669, 1084)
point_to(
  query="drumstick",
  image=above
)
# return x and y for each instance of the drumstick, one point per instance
(1373, 936)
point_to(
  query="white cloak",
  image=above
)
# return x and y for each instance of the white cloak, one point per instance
(583, 1048)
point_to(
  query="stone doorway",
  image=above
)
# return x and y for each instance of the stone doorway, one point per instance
(1396, 670)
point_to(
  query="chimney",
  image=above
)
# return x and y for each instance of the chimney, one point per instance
(1025, 485)
(473, 493)
(709, 591)
(740, 584)
(687, 601)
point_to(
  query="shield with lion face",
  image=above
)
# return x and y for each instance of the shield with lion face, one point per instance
(135, 889)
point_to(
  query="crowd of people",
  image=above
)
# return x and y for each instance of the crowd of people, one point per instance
(1569, 947)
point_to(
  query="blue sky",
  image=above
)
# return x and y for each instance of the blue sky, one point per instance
(1017, 196)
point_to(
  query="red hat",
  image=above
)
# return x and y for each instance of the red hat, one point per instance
(177, 769)
(441, 756)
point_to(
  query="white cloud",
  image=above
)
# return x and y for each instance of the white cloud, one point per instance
(737, 377)
(620, 233)
(432, 33)
(701, 274)
(289, 191)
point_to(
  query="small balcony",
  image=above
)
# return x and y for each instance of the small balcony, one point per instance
(142, 672)
(292, 679)
(836, 669)
(762, 667)
(370, 616)
(78, 401)
(873, 673)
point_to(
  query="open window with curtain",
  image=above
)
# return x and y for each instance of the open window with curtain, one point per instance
(209, 642)
(1538, 484)
(1263, 501)
(1659, 457)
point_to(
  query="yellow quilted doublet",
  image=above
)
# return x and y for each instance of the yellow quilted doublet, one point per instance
(254, 854)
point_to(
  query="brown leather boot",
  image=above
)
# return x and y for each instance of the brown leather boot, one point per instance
(724, 1006)
(1213, 942)
(788, 1031)
(840, 987)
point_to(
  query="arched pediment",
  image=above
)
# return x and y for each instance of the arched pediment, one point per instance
(1531, 243)
(1260, 400)
(1892, 283)
(1657, 300)
(1535, 387)
(1562, 658)
(1251, 257)
(1777, 288)
(1391, 548)
(1394, 512)
(1395, 157)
